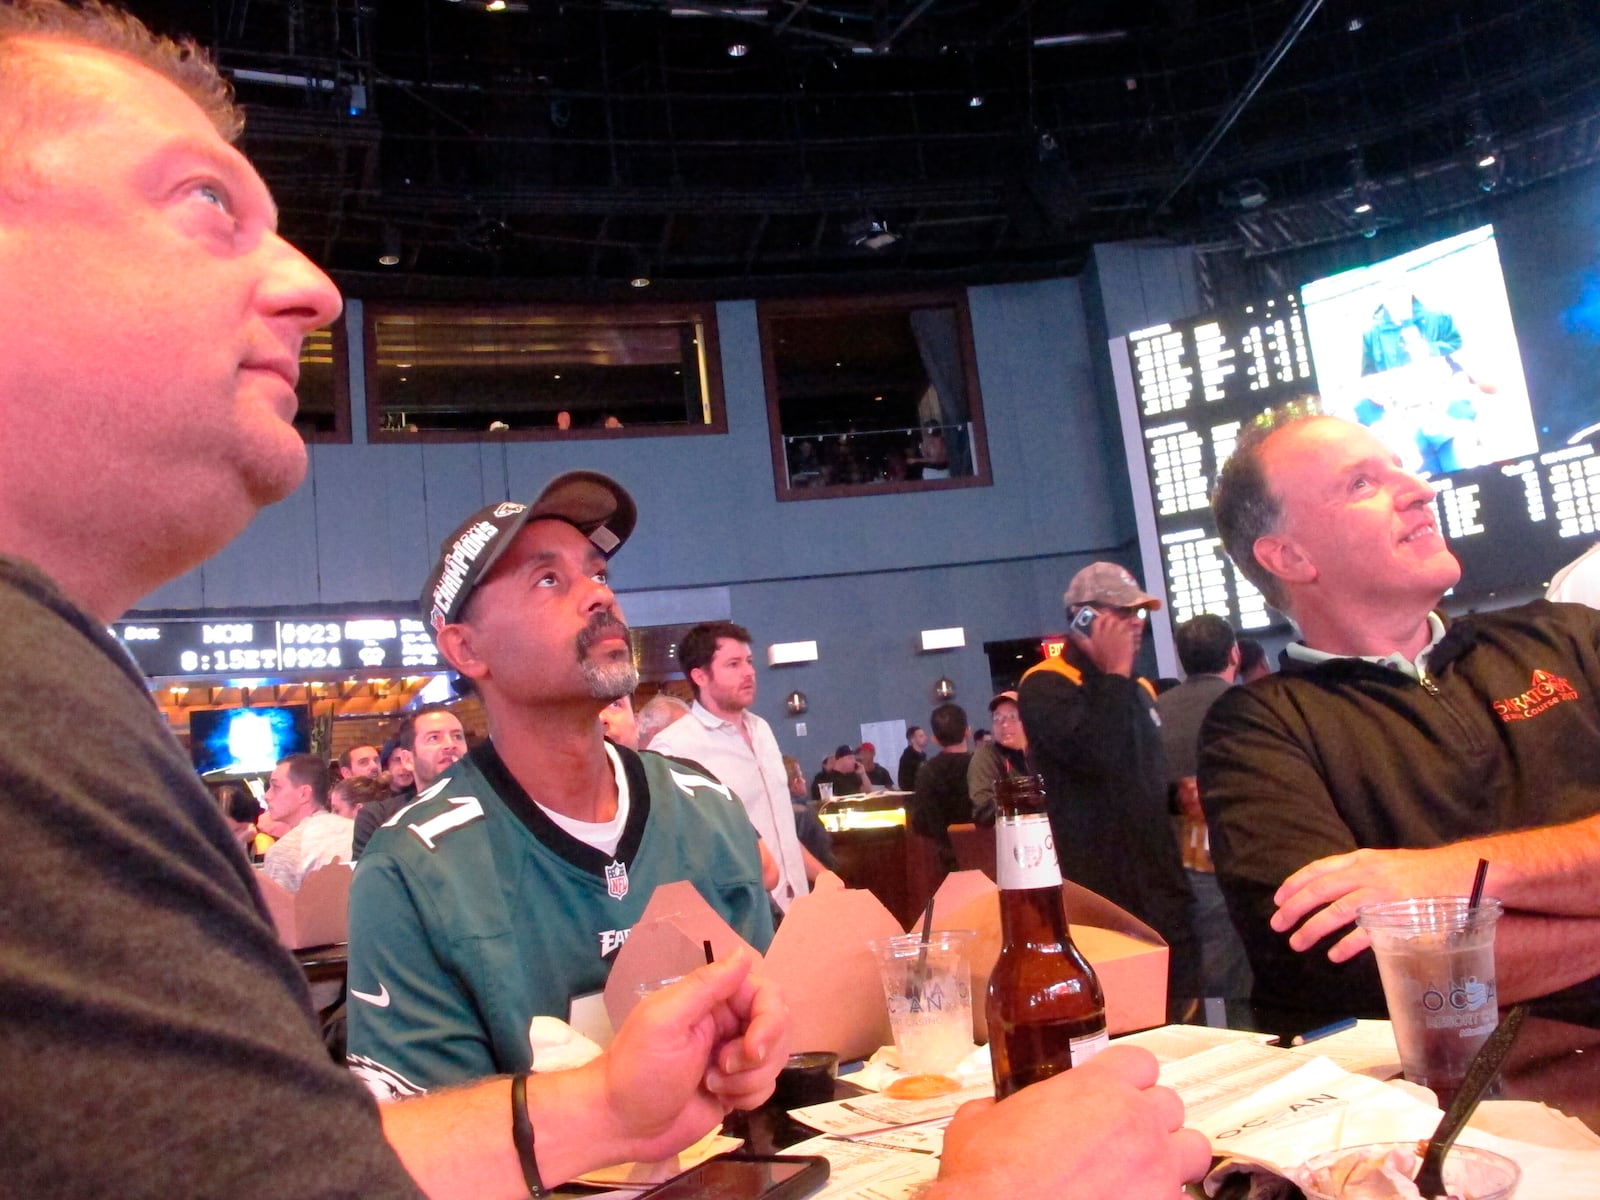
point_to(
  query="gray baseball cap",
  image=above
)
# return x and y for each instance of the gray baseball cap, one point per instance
(1109, 584)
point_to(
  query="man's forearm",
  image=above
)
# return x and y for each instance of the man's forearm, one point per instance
(1555, 870)
(1537, 955)
(457, 1142)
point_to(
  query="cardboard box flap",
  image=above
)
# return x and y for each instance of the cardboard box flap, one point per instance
(1090, 908)
(1129, 958)
(668, 940)
(318, 914)
(828, 976)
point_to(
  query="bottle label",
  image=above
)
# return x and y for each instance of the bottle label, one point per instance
(1026, 853)
(1085, 1048)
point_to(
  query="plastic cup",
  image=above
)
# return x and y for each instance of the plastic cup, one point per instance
(929, 994)
(825, 791)
(1436, 958)
(1468, 1171)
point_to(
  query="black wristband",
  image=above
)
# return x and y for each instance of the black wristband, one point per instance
(522, 1137)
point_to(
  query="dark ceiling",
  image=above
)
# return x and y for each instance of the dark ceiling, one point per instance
(574, 146)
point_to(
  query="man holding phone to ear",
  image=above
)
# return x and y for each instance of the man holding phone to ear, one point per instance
(1094, 736)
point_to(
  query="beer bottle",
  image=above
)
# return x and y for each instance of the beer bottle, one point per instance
(1046, 1011)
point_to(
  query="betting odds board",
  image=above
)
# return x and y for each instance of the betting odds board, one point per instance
(1189, 388)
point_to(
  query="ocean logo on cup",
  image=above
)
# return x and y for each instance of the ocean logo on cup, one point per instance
(1463, 996)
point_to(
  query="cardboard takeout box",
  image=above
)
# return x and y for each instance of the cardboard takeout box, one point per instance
(830, 979)
(316, 915)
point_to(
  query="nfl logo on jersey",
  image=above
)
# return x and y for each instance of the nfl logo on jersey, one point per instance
(617, 880)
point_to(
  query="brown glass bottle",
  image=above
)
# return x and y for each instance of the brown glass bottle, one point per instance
(1046, 1010)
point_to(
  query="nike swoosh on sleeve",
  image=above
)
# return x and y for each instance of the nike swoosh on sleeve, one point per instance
(381, 1000)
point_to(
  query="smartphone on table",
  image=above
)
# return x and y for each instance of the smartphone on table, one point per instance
(746, 1177)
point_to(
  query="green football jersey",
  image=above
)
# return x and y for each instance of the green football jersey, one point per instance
(472, 912)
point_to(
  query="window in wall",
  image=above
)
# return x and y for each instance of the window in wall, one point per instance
(324, 388)
(875, 395)
(524, 373)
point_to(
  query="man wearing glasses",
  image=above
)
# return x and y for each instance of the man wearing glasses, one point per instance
(1094, 736)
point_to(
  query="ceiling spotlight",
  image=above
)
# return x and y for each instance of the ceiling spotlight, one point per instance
(1363, 192)
(389, 256)
(737, 49)
(1484, 152)
(870, 233)
(496, 6)
(975, 100)
(1243, 195)
(639, 281)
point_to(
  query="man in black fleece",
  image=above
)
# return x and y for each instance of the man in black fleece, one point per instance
(1395, 749)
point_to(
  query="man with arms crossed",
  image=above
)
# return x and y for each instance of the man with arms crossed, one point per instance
(1394, 750)
(505, 891)
(737, 746)
(151, 1025)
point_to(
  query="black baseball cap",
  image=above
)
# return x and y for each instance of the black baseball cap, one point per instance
(596, 505)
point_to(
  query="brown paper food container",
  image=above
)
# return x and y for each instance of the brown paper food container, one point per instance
(316, 915)
(829, 978)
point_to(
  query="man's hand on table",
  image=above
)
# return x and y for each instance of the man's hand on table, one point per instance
(1100, 1130)
(1327, 893)
(692, 1052)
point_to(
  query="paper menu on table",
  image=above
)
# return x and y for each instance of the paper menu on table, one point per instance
(1169, 1043)
(1367, 1048)
(869, 1170)
(874, 1114)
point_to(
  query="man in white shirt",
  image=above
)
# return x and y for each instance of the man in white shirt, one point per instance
(727, 739)
(297, 797)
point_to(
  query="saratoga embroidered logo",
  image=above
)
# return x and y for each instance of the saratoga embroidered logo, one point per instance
(1547, 691)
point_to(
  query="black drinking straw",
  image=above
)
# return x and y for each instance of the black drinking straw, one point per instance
(919, 976)
(1478, 882)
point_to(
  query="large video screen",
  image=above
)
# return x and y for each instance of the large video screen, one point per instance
(1421, 349)
(245, 741)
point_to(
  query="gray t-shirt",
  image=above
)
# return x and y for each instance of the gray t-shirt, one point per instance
(155, 1038)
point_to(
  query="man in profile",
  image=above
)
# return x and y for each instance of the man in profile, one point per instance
(503, 894)
(151, 1025)
(297, 801)
(1094, 736)
(1395, 749)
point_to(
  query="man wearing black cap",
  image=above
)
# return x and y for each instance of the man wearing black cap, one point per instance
(503, 893)
(1094, 736)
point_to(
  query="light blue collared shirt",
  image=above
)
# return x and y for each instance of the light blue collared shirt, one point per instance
(1416, 668)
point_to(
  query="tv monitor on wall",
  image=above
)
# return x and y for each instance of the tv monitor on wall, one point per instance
(245, 741)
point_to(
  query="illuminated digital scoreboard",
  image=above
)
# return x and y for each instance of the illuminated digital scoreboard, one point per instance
(1194, 384)
(277, 647)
